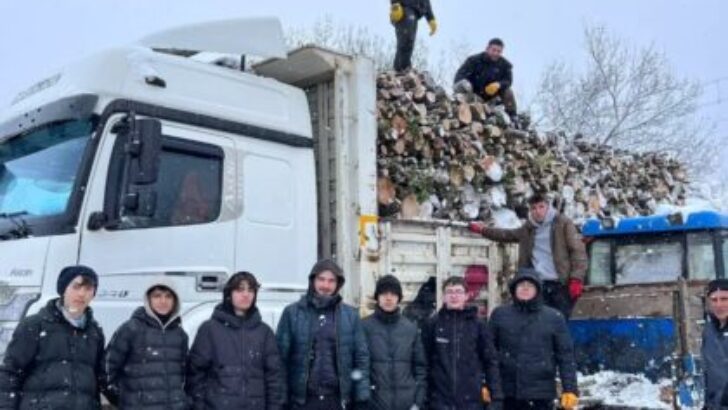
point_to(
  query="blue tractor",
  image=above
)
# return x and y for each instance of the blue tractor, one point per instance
(643, 307)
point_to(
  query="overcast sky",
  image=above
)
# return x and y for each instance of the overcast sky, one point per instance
(38, 36)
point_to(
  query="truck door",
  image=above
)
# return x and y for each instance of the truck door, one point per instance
(179, 227)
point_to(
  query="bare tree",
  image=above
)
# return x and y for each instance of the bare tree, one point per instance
(359, 40)
(629, 98)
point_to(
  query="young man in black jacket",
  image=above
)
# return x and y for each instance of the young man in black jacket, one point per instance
(490, 76)
(234, 362)
(533, 342)
(463, 364)
(147, 356)
(398, 364)
(323, 347)
(55, 358)
(405, 15)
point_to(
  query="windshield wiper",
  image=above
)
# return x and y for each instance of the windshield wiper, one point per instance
(20, 230)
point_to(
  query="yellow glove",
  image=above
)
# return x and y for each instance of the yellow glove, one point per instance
(396, 14)
(485, 395)
(569, 401)
(492, 88)
(433, 26)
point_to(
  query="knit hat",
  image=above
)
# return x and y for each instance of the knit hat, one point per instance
(388, 283)
(717, 284)
(69, 273)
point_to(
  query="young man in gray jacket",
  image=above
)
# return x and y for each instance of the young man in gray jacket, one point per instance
(715, 346)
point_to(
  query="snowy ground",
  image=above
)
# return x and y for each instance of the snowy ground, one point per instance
(619, 389)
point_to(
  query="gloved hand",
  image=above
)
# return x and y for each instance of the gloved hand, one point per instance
(576, 288)
(485, 395)
(433, 26)
(414, 407)
(396, 13)
(496, 405)
(569, 401)
(492, 88)
(476, 227)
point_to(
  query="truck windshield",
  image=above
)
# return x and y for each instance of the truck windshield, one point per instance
(38, 169)
(649, 262)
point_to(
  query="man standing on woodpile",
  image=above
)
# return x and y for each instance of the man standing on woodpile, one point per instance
(490, 75)
(549, 243)
(533, 342)
(405, 15)
(715, 346)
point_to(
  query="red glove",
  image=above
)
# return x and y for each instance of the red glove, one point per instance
(576, 288)
(476, 227)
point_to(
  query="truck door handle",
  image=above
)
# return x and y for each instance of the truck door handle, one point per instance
(210, 282)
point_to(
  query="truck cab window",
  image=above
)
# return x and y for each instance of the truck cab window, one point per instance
(600, 266)
(38, 170)
(650, 261)
(188, 189)
(701, 257)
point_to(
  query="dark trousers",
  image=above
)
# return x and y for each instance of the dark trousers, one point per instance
(508, 98)
(556, 295)
(406, 31)
(320, 403)
(513, 404)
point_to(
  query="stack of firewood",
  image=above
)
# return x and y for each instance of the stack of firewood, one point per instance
(462, 159)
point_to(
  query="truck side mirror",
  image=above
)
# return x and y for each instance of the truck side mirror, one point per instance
(143, 148)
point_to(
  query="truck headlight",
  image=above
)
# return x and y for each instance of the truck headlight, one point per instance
(13, 308)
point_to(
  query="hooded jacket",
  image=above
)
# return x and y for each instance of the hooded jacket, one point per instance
(146, 360)
(461, 360)
(52, 365)
(234, 363)
(567, 249)
(305, 358)
(533, 342)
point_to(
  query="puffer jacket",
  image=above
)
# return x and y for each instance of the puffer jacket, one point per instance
(234, 364)
(52, 365)
(533, 342)
(461, 360)
(296, 341)
(398, 364)
(146, 362)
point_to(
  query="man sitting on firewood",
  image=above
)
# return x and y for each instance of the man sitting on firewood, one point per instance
(490, 75)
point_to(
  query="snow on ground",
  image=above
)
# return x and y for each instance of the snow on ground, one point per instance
(620, 389)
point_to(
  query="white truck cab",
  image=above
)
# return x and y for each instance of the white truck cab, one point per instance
(147, 166)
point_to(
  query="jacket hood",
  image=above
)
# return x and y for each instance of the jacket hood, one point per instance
(531, 275)
(326, 265)
(174, 315)
(223, 315)
(548, 220)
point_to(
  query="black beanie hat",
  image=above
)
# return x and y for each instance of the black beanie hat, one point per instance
(69, 273)
(388, 283)
(717, 284)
